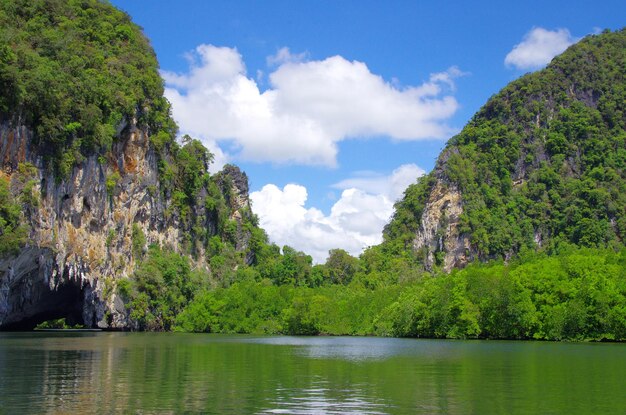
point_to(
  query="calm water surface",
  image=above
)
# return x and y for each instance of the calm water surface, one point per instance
(145, 373)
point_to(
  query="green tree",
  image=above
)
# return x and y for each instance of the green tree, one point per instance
(13, 233)
(341, 266)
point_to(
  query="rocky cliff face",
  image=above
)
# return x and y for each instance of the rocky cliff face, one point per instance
(439, 228)
(438, 236)
(81, 228)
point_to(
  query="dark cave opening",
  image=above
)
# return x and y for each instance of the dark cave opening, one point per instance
(64, 302)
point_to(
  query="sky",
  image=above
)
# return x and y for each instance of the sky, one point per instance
(333, 108)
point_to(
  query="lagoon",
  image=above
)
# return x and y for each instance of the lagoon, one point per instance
(163, 373)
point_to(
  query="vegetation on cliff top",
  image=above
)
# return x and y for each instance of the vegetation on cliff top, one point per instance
(544, 161)
(75, 71)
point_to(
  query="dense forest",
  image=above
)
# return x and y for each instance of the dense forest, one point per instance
(541, 170)
(578, 294)
(575, 294)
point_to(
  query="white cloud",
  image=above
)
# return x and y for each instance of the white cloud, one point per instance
(284, 55)
(308, 108)
(375, 183)
(538, 48)
(355, 221)
(448, 77)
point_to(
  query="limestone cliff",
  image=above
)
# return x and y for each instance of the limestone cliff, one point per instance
(439, 228)
(92, 173)
(80, 239)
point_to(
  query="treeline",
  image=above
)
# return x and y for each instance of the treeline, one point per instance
(576, 294)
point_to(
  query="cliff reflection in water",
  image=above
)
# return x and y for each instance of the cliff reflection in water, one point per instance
(185, 373)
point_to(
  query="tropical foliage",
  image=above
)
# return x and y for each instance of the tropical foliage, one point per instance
(12, 232)
(577, 294)
(543, 161)
(77, 72)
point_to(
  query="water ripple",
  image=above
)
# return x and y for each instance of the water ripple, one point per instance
(323, 400)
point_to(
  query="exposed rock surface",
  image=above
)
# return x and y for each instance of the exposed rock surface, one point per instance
(80, 239)
(438, 231)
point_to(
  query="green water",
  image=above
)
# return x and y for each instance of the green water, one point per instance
(144, 373)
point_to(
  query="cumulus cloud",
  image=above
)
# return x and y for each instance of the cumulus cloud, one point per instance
(355, 221)
(308, 107)
(538, 48)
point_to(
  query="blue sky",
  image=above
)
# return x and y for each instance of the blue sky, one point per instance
(333, 107)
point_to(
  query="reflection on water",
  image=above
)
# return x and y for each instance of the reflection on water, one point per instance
(143, 373)
(365, 348)
(344, 348)
(321, 398)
